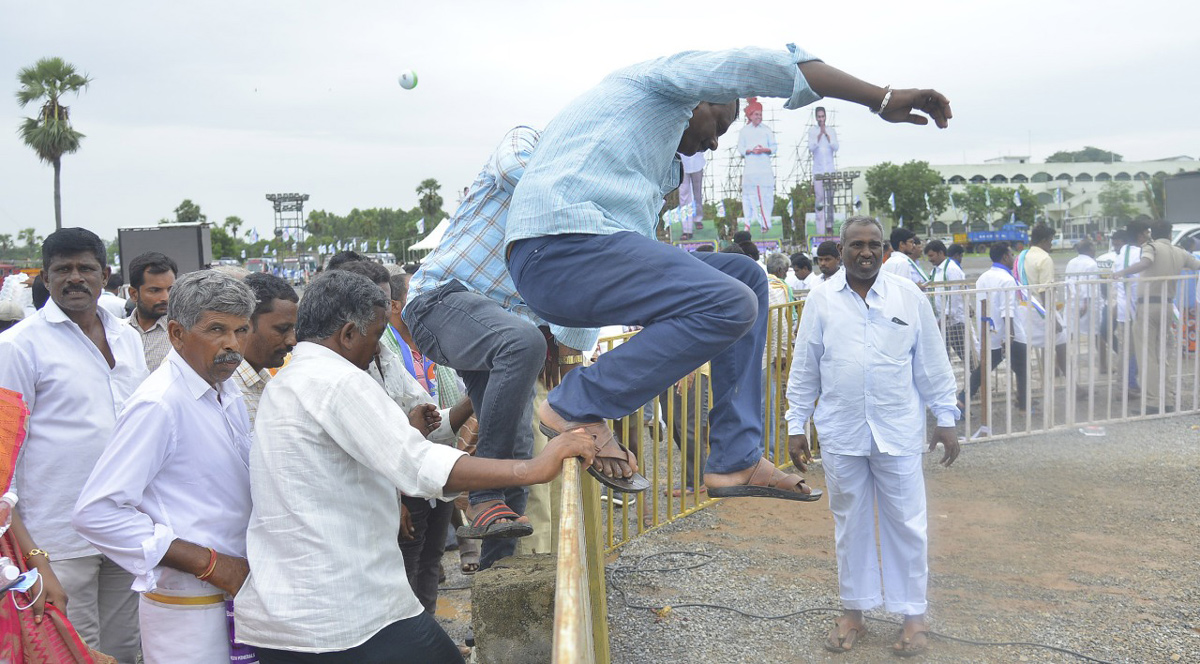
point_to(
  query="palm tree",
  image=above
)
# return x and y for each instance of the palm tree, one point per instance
(50, 134)
(431, 201)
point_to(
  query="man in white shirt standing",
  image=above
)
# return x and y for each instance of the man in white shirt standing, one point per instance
(331, 449)
(822, 144)
(75, 365)
(169, 499)
(869, 355)
(272, 336)
(1003, 320)
(802, 271)
(950, 308)
(151, 276)
(1081, 273)
(1127, 248)
(829, 261)
(906, 251)
(110, 300)
(756, 144)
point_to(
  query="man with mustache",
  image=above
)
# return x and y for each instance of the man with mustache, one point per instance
(272, 336)
(169, 500)
(75, 365)
(151, 276)
(868, 360)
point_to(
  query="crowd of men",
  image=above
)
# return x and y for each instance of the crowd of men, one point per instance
(223, 469)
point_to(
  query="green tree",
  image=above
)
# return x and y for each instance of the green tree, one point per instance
(224, 245)
(50, 134)
(430, 202)
(231, 225)
(6, 242)
(912, 183)
(189, 213)
(30, 237)
(1117, 201)
(1088, 153)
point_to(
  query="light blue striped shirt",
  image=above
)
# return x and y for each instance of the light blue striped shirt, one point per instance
(472, 250)
(606, 161)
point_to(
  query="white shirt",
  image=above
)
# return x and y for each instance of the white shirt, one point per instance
(1085, 267)
(177, 467)
(758, 166)
(407, 392)
(949, 305)
(330, 451)
(822, 148)
(903, 266)
(874, 365)
(113, 304)
(73, 398)
(1128, 255)
(693, 163)
(1081, 270)
(797, 284)
(1002, 306)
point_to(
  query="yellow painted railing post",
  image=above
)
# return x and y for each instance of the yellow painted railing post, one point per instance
(594, 558)
(580, 602)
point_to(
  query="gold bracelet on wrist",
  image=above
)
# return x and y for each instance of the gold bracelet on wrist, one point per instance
(570, 359)
(36, 552)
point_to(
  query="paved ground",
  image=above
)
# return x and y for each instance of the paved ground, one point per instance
(1083, 543)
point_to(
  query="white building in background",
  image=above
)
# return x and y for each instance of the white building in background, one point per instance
(1081, 184)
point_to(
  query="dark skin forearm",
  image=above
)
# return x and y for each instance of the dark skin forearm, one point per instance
(53, 590)
(471, 473)
(832, 82)
(460, 413)
(228, 575)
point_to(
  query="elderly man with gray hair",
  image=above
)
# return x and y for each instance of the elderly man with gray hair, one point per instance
(331, 449)
(169, 500)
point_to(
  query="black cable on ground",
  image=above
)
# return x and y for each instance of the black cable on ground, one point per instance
(708, 558)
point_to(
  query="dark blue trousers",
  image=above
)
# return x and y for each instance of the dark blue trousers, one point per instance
(693, 307)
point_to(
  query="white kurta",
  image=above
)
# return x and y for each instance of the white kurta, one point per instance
(758, 175)
(874, 364)
(1080, 271)
(822, 148)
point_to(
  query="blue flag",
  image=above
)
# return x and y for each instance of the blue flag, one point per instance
(892, 201)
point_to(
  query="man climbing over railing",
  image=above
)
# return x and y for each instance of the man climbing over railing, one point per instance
(582, 251)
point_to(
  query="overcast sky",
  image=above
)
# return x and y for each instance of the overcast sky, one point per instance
(224, 102)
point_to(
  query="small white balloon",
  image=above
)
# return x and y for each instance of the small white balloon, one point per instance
(408, 79)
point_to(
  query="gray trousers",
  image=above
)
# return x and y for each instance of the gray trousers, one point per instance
(101, 605)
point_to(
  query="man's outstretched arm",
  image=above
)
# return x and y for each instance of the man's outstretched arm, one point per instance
(901, 106)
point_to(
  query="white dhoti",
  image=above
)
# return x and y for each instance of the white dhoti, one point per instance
(896, 485)
(184, 630)
(758, 202)
(691, 200)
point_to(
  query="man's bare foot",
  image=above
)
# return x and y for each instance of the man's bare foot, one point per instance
(846, 630)
(914, 637)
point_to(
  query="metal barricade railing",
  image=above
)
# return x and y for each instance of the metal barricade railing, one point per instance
(1105, 331)
(580, 600)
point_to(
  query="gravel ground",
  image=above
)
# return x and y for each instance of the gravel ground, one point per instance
(1082, 543)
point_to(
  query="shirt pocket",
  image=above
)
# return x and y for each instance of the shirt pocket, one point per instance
(893, 341)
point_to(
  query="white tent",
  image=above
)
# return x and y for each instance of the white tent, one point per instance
(431, 241)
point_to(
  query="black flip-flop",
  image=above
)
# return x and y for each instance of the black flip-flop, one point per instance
(636, 483)
(487, 525)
